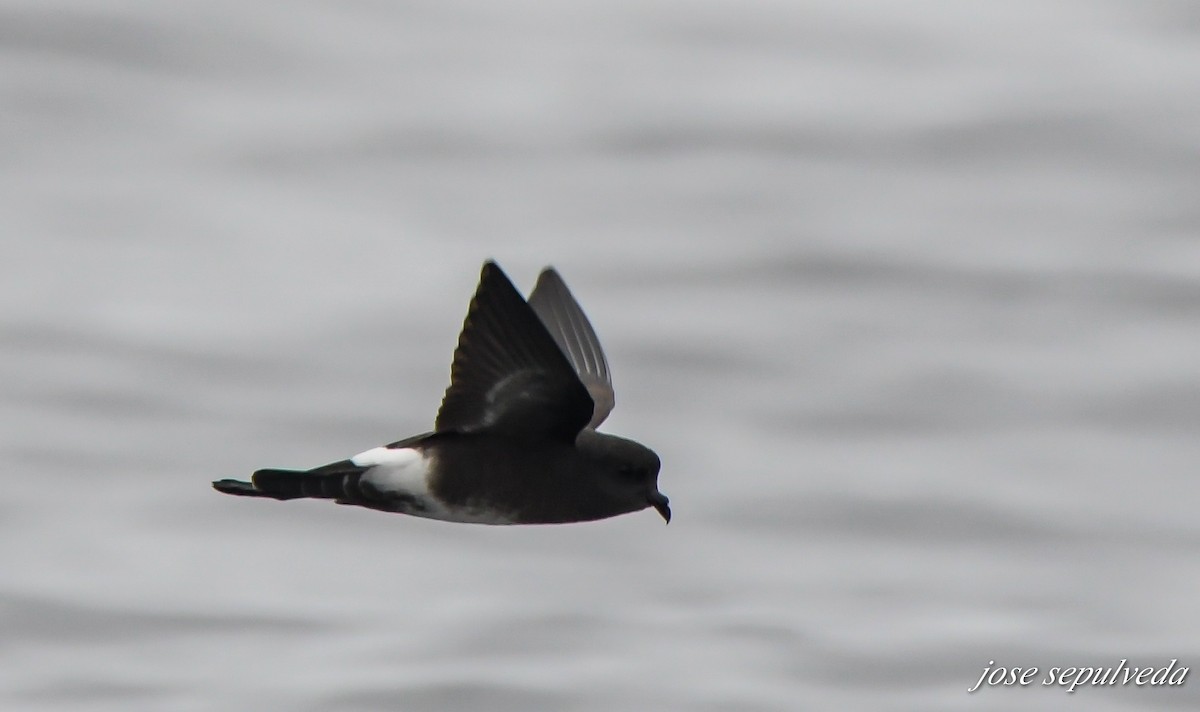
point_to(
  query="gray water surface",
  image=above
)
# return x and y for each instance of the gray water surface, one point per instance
(906, 296)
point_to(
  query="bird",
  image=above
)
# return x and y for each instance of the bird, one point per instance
(515, 439)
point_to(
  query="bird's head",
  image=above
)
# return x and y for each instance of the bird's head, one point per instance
(629, 470)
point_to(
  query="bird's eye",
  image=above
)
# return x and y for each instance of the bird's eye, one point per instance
(629, 471)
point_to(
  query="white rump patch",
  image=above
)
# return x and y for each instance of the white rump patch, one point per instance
(397, 457)
(403, 471)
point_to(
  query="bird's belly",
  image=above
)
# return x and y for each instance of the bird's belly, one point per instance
(430, 507)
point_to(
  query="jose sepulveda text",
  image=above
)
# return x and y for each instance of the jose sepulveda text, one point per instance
(1122, 673)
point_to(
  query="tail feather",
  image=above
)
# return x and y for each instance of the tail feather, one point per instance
(242, 489)
(337, 481)
(292, 484)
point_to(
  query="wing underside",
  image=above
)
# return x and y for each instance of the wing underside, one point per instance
(562, 316)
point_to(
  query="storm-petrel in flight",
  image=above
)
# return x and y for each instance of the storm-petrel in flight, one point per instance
(515, 441)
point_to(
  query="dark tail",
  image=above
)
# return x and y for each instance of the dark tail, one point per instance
(337, 481)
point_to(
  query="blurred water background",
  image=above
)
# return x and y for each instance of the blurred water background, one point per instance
(906, 296)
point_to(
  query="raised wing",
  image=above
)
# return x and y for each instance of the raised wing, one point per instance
(508, 374)
(573, 333)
